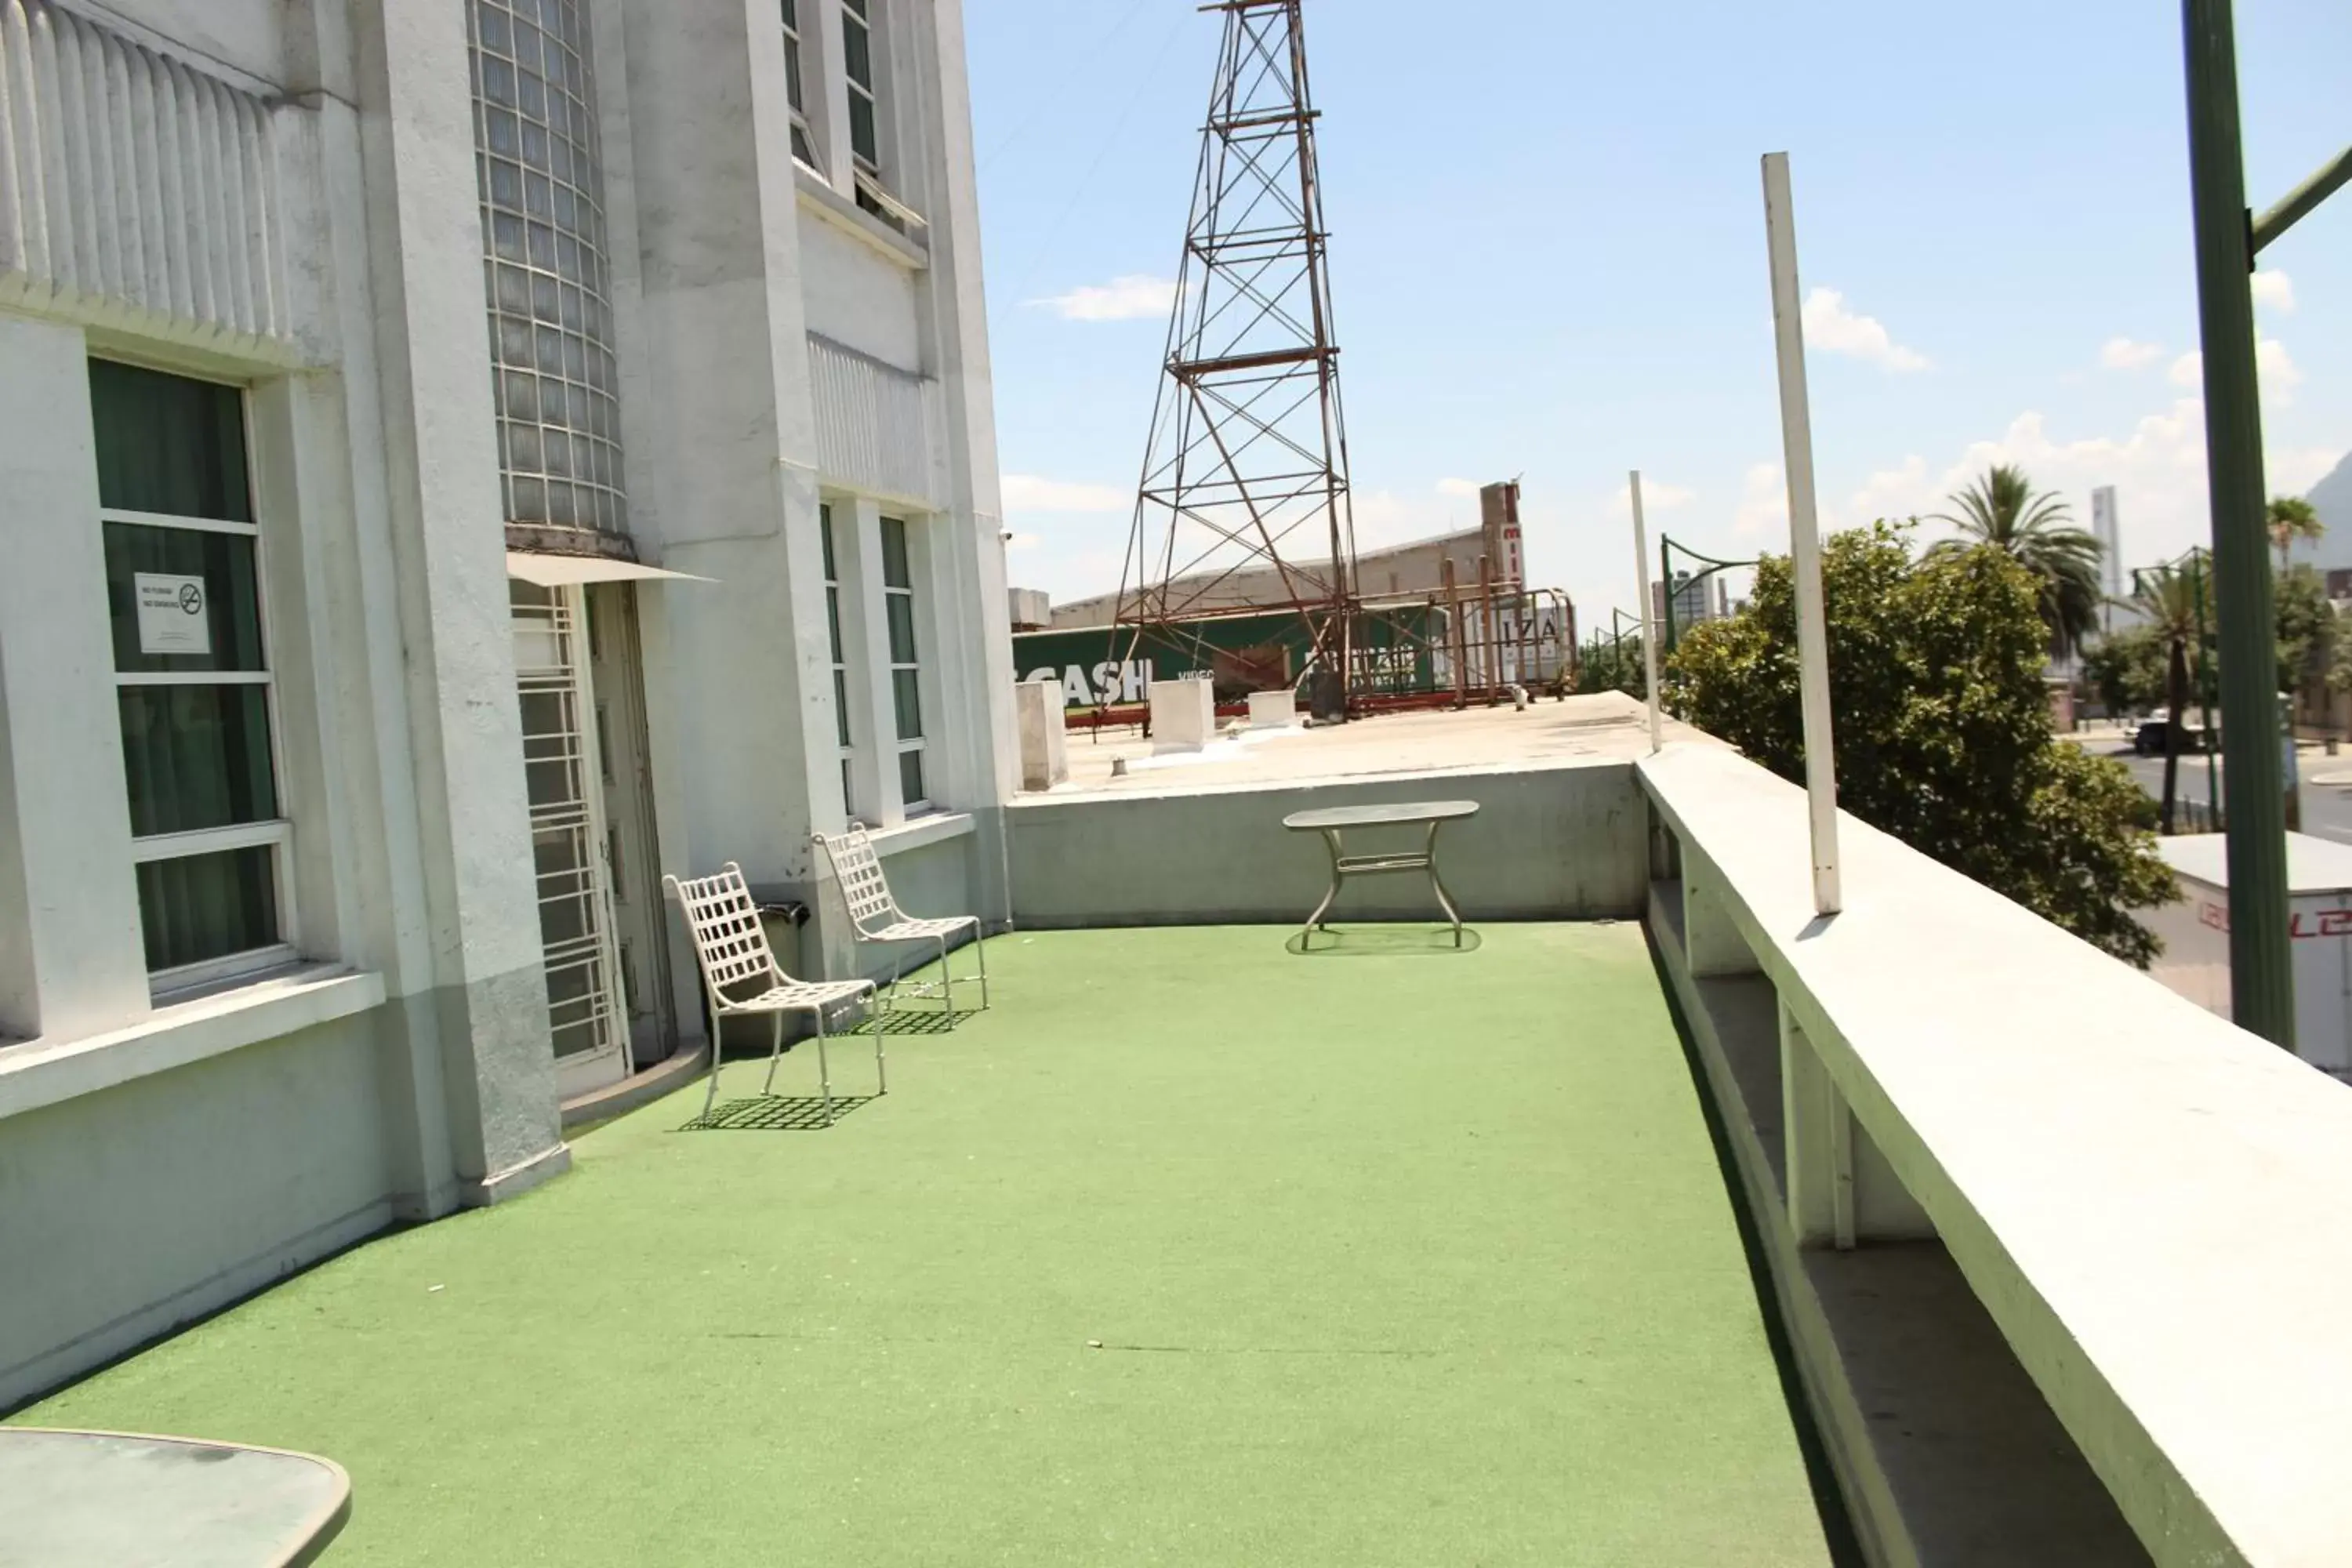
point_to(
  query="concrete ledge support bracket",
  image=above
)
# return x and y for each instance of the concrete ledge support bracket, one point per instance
(1820, 1133)
(1716, 946)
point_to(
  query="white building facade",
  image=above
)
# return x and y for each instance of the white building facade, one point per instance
(458, 463)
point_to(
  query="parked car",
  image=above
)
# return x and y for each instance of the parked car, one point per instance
(2148, 741)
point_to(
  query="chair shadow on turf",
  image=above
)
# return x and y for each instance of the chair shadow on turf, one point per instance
(1383, 941)
(916, 1020)
(775, 1114)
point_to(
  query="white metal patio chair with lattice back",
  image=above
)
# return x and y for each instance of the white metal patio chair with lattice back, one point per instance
(874, 916)
(730, 947)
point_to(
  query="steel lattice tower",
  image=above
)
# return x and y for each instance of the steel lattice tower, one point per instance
(1245, 470)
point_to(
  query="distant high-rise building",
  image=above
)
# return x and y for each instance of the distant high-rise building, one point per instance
(1696, 599)
(2106, 527)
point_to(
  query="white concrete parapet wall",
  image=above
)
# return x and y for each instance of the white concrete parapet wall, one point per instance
(1549, 843)
(1184, 713)
(2128, 1322)
(1044, 735)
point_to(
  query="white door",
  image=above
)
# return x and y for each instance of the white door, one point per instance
(587, 1021)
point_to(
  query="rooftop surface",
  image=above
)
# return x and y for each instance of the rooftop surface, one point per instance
(1190, 1250)
(1549, 732)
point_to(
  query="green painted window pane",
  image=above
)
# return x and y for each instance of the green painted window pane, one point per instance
(202, 907)
(197, 756)
(168, 443)
(825, 532)
(857, 49)
(791, 15)
(792, 71)
(895, 571)
(908, 700)
(910, 777)
(901, 608)
(861, 128)
(841, 706)
(832, 619)
(231, 593)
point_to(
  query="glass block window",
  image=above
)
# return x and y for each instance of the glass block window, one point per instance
(193, 686)
(802, 149)
(858, 65)
(906, 666)
(840, 663)
(545, 268)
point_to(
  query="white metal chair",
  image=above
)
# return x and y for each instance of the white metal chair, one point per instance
(875, 915)
(730, 947)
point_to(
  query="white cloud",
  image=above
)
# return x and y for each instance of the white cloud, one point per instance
(1898, 492)
(1132, 296)
(1656, 496)
(2280, 375)
(1023, 542)
(1029, 492)
(1468, 488)
(2274, 291)
(2157, 469)
(1833, 329)
(2122, 354)
(1763, 509)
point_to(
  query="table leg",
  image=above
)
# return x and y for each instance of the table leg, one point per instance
(1332, 842)
(1430, 853)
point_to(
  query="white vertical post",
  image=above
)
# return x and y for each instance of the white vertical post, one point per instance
(1642, 587)
(1804, 533)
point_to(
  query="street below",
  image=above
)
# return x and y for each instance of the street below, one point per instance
(2326, 806)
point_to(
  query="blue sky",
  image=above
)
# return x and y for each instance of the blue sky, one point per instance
(1548, 258)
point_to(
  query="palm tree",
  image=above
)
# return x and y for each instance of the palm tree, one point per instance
(2171, 599)
(2293, 518)
(2000, 509)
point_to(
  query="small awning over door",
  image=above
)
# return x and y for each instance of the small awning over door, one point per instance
(569, 571)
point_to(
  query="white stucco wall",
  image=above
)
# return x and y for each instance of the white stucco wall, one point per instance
(129, 1212)
(855, 295)
(160, 1156)
(405, 1068)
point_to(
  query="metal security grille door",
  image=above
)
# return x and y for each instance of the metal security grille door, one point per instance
(586, 1016)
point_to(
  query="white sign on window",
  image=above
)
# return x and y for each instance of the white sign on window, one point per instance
(173, 616)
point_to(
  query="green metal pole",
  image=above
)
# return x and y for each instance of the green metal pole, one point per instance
(2262, 985)
(1666, 588)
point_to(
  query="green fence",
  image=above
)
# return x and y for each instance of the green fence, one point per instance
(1391, 654)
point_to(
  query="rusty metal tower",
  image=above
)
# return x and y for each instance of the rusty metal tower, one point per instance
(1243, 498)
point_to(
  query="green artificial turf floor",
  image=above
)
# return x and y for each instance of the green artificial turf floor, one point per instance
(1191, 1250)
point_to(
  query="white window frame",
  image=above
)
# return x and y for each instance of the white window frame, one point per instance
(844, 725)
(859, 14)
(278, 833)
(803, 138)
(913, 666)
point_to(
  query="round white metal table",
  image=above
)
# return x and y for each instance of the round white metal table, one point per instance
(132, 1501)
(1333, 822)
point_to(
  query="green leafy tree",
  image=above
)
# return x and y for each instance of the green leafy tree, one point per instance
(2126, 668)
(2306, 627)
(1609, 665)
(2292, 518)
(1942, 723)
(2000, 509)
